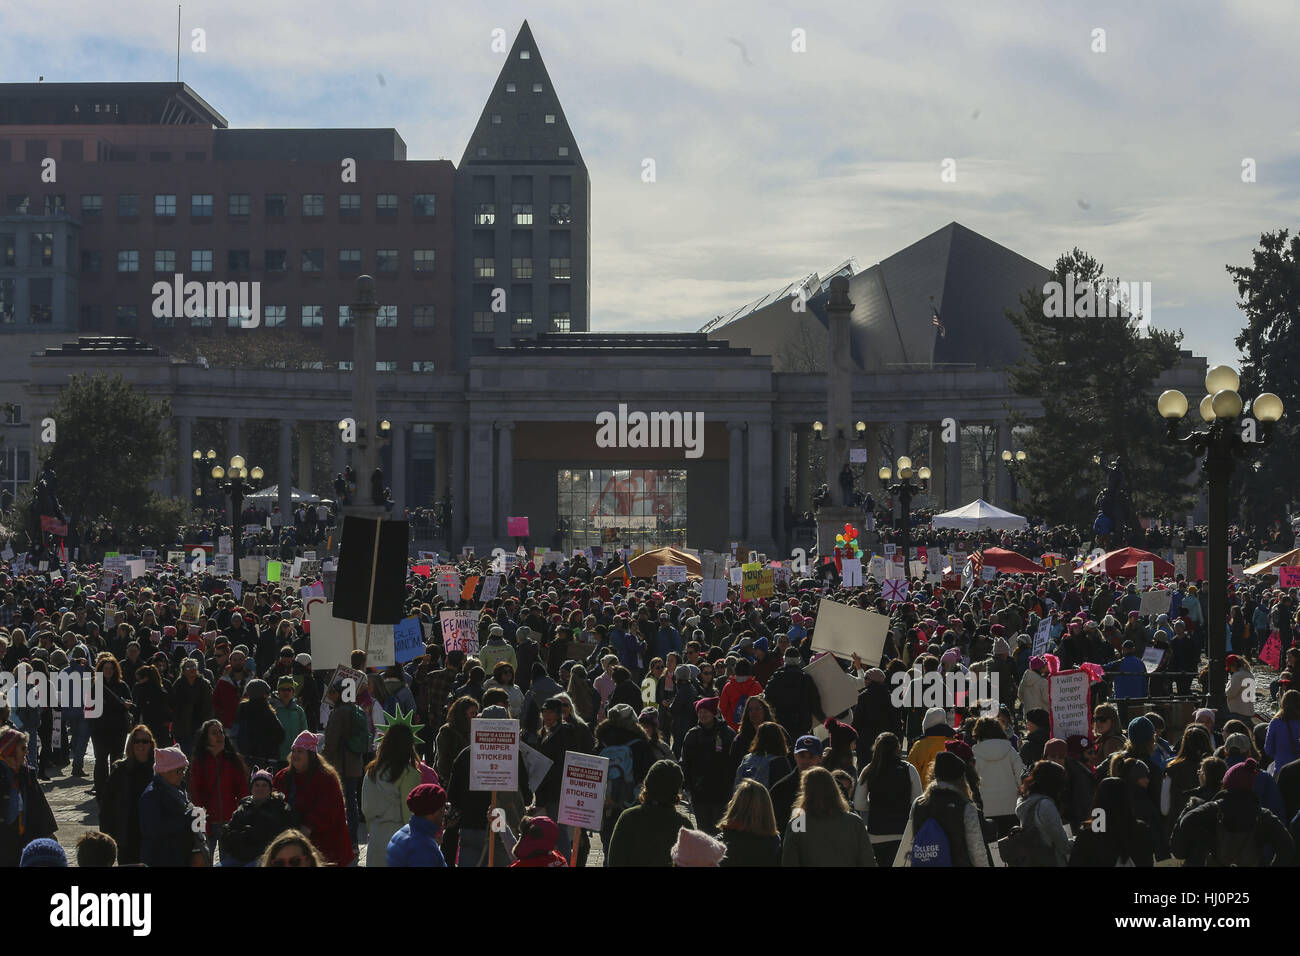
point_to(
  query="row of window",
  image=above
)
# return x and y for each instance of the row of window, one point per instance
(522, 118)
(273, 316)
(521, 214)
(534, 152)
(520, 322)
(239, 260)
(423, 205)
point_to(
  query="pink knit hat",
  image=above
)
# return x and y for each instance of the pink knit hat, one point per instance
(694, 848)
(307, 741)
(166, 759)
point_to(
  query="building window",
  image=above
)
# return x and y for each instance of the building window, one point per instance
(201, 321)
(485, 214)
(92, 204)
(510, 87)
(525, 55)
(561, 214)
(422, 316)
(385, 366)
(275, 205)
(201, 206)
(273, 316)
(345, 317)
(200, 260)
(164, 204)
(523, 213)
(91, 260)
(276, 260)
(560, 321)
(550, 119)
(317, 366)
(485, 269)
(313, 204)
(349, 204)
(40, 293)
(423, 260)
(237, 260)
(313, 316)
(40, 250)
(496, 119)
(239, 204)
(91, 316)
(14, 415)
(564, 151)
(537, 87)
(7, 301)
(424, 205)
(345, 366)
(313, 260)
(164, 260)
(385, 260)
(7, 247)
(421, 366)
(386, 204)
(164, 321)
(386, 317)
(521, 268)
(350, 261)
(16, 204)
(561, 269)
(127, 317)
(482, 152)
(483, 323)
(128, 260)
(522, 322)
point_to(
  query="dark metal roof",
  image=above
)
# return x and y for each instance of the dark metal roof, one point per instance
(101, 344)
(74, 104)
(625, 343)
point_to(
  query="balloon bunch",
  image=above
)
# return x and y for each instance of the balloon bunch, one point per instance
(846, 546)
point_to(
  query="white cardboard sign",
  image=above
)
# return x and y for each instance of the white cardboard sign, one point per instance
(493, 754)
(582, 790)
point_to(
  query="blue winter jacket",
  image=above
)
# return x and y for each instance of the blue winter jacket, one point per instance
(416, 844)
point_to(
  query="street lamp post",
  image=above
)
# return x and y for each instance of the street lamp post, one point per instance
(199, 458)
(1014, 464)
(906, 489)
(1220, 443)
(233, 481)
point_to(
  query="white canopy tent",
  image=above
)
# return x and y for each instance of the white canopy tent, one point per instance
(977, 515)
(271, 496)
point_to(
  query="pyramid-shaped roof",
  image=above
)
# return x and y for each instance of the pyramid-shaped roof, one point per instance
(516, 110)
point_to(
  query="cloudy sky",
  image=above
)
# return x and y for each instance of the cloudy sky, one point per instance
(773, 163)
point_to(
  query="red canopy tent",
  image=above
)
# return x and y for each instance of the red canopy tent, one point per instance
(1123, 564)
(1009, 562)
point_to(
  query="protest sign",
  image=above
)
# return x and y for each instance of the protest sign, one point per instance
(493, 754)
(894, 589)
(408, 640)
(670, 572)
(582, 790)
(350, 683)
(1042, 637)
(536, 765)
(334, 639)
(459, 630)
(1288, 576)
(851, 572)
(190, 607)
(149, 555)
(471, 585)
(273, 569)
(1151, 658)
(223, 544)
(1271, 652)
(749, 574)
(837, 689)
(312, 590)
(736, 575)
(876, 568)
(250, 569)
(988, 572)
(891, 550)
(781, 574)
(421, 570)
(552, 557)
(236, 588)
(1068, 695)
(517, 527)
(713, 591)
(175, 557)
(934, 559)
(1154, 603)
(221, 564)
(916, 569)
(844, 630)
(491, 585)
(1146, 575)
(430, 557)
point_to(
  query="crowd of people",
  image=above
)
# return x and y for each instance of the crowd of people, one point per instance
(222, 741)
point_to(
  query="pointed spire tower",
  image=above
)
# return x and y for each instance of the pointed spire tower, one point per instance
(522, 201)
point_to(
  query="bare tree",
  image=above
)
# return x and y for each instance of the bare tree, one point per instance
(800, 352)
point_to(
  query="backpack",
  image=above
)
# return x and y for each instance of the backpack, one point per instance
(738, 715)
(1234, 849)
(756, 767)
(930, 845)
(620, 792)
(932, 841)
(358, 739)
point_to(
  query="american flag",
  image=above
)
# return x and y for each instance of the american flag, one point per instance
(938, 322)
(977, 563)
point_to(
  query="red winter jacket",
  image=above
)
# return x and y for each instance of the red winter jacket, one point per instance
(318, 798)
(217, 784)
(732, 695)
(225, 699)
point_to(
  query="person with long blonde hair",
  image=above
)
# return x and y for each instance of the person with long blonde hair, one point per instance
(292, 848)
(748, 828)
(823, 831)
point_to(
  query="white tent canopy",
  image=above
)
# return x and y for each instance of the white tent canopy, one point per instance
(271, 495)
(977, 515)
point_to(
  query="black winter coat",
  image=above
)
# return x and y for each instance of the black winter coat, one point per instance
(119, 806)
(254, 825)
(706, 762)
(37, 818)
(794, 699)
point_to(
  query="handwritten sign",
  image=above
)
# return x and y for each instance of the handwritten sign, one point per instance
(582, 790)
(1067, 694)
(491, 585)
(493, 754)
(851, 572)
(1151, 658)
(517, 527)
(895, 590)
(408, 640)
(459, 630)
(1146, 575)
(1042, 636)
(713, 590)
(1288, 576)
(670, 572)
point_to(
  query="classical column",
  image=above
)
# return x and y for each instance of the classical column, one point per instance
(505, 474)
(459, 467)
(802, 469)
(1004, 476)
(736, 480)
(284, 473)
(781, 479)
(306, 449)
(340, 462)
(185, 463)
(232, 442)
(952, 469)
(874, 457)
(480, 485)
(398, 482)
(441, 454)
(759, 491)
(938, 463)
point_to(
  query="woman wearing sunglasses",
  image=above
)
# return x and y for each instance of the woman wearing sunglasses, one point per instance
(119, 798)
(292, 848)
